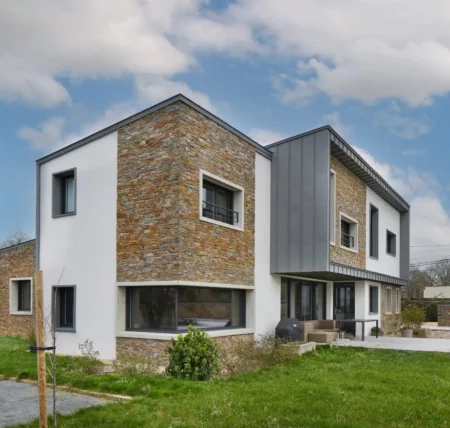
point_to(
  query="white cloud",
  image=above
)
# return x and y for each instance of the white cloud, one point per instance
(45, 135)
(334, 119)
(265, 136)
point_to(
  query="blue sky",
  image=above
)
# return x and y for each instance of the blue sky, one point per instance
(271, 68)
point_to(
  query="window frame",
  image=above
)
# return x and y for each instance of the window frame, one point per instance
(54, 308)
(373, 243)
(398, 300)
(351, 221)
(389, 235)
(332, 225)
(388, 290)
(371, 311)
(14, 296)
(238, 199)
(58, 182)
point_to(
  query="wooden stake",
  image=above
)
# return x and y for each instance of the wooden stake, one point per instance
(40, 342)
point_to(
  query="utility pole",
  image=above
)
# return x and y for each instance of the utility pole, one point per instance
(40, 343)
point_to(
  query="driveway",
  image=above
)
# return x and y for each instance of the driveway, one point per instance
(19, 403)
(399, 343)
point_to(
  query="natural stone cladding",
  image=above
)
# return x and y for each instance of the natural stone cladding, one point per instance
(350, 200)
(15, 262)
(155, 349)
(388, 324)
(159, 234)
(443, 315)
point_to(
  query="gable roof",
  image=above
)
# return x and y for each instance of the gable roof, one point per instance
(177, 98)
(348, 156)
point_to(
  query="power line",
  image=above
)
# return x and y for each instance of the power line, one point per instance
(437, 245)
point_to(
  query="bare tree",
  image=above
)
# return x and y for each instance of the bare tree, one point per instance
(17, 237)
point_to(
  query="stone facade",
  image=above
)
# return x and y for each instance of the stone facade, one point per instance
(159, 234)
(350, 200)
(388, 324)
(443, 315)
(155, 349)
(15, 262)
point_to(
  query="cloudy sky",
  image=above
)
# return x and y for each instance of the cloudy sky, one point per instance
(378, 71)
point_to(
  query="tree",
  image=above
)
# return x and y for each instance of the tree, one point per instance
(17, 237)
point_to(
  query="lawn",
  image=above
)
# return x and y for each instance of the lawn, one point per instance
(338, 387)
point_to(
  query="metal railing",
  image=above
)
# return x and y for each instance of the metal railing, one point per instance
(218, 213)
(347, 240)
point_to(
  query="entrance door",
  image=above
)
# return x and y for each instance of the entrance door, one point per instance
(344, 304)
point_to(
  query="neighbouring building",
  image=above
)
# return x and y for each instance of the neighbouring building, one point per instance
(438, 292)
(172, 217)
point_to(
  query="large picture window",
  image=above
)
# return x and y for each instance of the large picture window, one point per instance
(173, 309)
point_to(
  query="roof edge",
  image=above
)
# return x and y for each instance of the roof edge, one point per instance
(176, 98)
(12, 247)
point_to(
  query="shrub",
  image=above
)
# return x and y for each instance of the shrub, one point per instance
(88, 363)
(130, 365)
(244, 356)
(412, 317)
(194, 356)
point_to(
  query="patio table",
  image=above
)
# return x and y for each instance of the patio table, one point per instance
(363, 323)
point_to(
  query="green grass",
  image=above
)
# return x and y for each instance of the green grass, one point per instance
(339, 387)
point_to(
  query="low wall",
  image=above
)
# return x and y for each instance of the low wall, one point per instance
(443, 317)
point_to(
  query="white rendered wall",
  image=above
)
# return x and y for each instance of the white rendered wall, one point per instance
(388, 219)
(267, 287)
(362, 306)
(433, 292)
(80, 250)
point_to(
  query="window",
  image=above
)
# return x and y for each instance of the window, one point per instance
(221, 202)
(389, 300)
(349, 233)
(64, 193)
(64, 308)
(373, 234)
(20, 296)
(398, 300)
(373, 299)
(285, 300)
(391, 243)
(332, 206)
(303, 300)
(173, 309)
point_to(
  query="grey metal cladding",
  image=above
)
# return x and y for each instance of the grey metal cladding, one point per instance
(404, 245)
(300, 204)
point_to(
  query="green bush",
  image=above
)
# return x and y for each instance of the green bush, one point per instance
(194, 356)
(412, 317)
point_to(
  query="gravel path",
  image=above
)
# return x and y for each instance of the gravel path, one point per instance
(19, 403)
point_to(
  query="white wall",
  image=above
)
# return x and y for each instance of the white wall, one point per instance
(389, 219)
(267, 287)
(80, 250)
(432, 292)
(362, 306)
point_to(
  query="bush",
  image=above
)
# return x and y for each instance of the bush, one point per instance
(194, 356)
(133, 365)
(88, 363)
(248, 355)
(412, 317)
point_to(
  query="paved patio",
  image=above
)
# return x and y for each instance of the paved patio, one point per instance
(398, 343)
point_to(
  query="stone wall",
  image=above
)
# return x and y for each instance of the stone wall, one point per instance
(443, 315)
(388, 322)
(159, 233)
(155, 349)
(350, 200)
(15, 262)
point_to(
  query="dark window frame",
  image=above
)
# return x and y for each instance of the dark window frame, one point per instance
(20, 295)
(177, 330)
(215, 210)
(347, 235)
(373, 303)
(389, 237)
(59, 193)
(55, 308)
(374, 235)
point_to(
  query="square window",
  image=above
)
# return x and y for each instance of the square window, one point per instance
(63, 303)
(20, 296)
(391, 243)
(373, 299)
(64, 193)
(349, 233)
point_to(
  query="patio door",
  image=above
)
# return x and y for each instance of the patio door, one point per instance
(309, 300)
(344, 304)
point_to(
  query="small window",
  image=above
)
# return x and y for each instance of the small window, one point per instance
(373, 236)
(349, 233)
(173, 309)
(389, 300)
(373, 299)
(64, 308)
(398, 300)
(64, 193)
(332, 207)
(20, 296)
(391, 243)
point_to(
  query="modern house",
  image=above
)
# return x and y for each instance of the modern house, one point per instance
(172, 217)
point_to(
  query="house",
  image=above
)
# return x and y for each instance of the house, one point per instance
(172, 217)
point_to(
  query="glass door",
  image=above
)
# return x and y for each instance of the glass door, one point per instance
(344, 305)
(309, 300)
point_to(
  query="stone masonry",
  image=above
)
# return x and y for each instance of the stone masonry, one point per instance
(350, 200)
(444, 315)
(15, 262)
(159, 234)
(388, 319)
